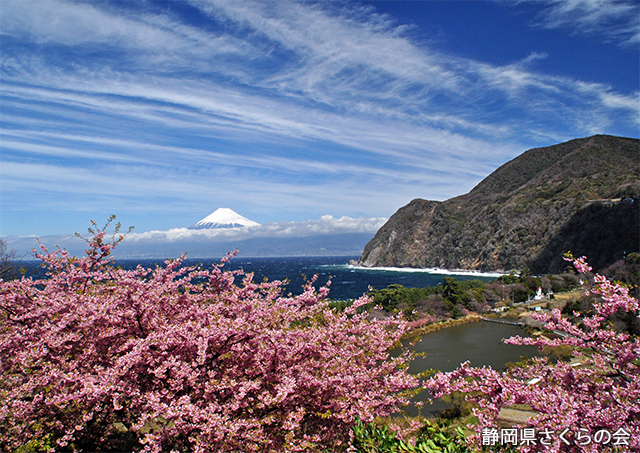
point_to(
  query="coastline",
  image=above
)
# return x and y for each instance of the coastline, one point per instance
(439, 325)
(559, 302)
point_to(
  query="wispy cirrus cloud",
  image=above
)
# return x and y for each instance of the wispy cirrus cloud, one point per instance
(618, 20)
(310, 107)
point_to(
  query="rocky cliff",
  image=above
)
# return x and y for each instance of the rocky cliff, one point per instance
(580, 196)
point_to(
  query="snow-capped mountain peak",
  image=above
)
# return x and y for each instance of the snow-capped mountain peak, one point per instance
(223, 218)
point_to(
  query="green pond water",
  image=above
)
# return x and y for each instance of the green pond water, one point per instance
(479, 342)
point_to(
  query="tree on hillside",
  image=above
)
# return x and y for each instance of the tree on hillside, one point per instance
(455, 292)
(181, 358)
(7, 260)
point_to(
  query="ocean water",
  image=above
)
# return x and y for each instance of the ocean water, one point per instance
(347, 281)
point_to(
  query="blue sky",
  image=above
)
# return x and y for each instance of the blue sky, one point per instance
(161, 112)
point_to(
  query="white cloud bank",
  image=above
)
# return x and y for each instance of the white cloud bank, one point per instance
(327, 235)
(325, 225)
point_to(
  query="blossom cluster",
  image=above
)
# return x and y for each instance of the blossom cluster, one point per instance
(180, 358)
(422, 322)
(598, 391)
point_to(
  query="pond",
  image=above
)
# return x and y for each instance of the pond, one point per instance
(479, 342)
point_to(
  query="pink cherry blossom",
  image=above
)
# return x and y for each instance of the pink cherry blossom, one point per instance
(187, 358)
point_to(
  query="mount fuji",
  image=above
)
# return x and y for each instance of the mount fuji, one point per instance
(223, 218)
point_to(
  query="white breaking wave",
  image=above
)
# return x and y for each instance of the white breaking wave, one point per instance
(429, 270)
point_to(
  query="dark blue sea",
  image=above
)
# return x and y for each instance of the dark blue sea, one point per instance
(347, 281)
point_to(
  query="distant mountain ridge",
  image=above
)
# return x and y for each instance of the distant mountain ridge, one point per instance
(223, 218)
(582, 196)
